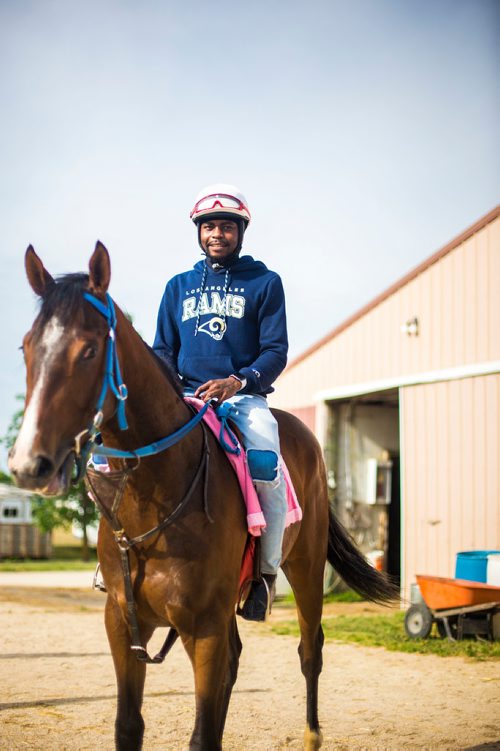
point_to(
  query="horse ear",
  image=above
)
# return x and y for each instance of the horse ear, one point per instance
(38, 276)
(100, 269)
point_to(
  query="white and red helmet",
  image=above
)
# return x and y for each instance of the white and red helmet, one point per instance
(220, 201)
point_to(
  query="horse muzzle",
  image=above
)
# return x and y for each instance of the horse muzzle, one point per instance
(41, 474)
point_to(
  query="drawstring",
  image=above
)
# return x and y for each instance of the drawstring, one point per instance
(202, 290)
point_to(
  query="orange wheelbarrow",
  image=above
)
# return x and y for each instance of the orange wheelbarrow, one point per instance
(457, 606)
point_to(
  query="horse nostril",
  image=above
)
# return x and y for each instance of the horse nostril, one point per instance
(43, 467)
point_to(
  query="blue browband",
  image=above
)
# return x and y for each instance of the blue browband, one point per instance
(113, 381)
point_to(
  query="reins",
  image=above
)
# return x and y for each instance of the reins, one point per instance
(113, 381)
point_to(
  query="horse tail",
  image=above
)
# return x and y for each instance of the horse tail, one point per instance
(353, 567)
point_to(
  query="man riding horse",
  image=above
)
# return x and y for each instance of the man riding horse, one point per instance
(173, 529)
(222, 328)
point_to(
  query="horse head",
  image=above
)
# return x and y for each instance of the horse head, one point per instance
(65, 353)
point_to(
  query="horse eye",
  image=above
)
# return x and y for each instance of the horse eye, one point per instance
(89, 352)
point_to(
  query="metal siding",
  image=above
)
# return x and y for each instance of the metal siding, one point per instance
(442, 497)
(492, 463)
(452, 437)
(403, 345)
(493, 317)
(457, 323)
(451, 486)
(482, 333)
(436, 284)
(456, 301)
(24, 541)
(466, 465)
(478, 434)
(468, 271)
(445, 354)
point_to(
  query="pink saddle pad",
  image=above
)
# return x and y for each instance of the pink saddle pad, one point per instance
(255, 518)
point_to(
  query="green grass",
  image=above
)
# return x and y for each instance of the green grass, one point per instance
(288, 601)
(65, 558)
(388, 631)
(348, 596)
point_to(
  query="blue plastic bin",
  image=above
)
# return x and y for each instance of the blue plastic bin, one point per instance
(472, 565)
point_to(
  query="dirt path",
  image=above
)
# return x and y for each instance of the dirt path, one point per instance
(58, 689)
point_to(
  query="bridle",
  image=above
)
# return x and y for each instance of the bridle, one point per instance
(113, 382)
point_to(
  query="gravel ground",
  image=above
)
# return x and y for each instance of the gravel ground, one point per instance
(58, 688)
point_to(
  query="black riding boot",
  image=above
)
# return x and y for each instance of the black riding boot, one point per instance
(259, 601)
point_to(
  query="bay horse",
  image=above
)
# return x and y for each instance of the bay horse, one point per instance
(185, 574)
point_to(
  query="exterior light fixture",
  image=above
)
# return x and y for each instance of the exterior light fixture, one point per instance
(410, 328)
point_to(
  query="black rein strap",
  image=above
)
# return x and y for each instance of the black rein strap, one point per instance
(125, 543)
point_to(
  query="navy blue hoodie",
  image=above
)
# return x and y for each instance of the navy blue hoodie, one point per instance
(212, 323)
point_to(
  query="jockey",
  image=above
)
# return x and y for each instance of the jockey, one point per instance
(222, 328)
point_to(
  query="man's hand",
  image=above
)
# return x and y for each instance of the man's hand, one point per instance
(219, 388)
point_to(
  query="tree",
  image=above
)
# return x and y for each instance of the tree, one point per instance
(74, 507)
(5, 479)
(14, 426)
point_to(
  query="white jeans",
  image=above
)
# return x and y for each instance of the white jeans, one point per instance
(259, 434)
(260, 438)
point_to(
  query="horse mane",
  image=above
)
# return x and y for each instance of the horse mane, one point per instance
(64, 297)
(166, 369)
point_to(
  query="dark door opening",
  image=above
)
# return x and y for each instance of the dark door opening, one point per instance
(362, 449)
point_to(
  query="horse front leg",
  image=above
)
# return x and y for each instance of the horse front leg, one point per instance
(235, 647)
(209, 653)
(130, 677)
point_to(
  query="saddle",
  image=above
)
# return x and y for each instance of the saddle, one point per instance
(228, 439)
(237, 458)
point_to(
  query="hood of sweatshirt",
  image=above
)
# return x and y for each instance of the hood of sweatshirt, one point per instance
(243, 263)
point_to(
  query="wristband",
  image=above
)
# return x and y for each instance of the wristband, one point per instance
(241, 379)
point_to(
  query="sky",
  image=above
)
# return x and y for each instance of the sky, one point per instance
(364, 134)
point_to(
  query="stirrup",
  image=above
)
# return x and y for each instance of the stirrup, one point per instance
(257, 606)
(98, 581)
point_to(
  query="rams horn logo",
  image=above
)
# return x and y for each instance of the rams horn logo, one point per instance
(215, 327)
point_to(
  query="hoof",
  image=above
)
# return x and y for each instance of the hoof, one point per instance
(313, 739)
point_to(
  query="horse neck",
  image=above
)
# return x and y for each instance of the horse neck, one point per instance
(153, 406)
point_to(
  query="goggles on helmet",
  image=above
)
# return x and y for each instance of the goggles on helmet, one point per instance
(220, 202)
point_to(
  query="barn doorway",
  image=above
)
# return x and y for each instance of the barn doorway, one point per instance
(363, 461)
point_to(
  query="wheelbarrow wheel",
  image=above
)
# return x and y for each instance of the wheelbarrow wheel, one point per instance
(418, 621)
